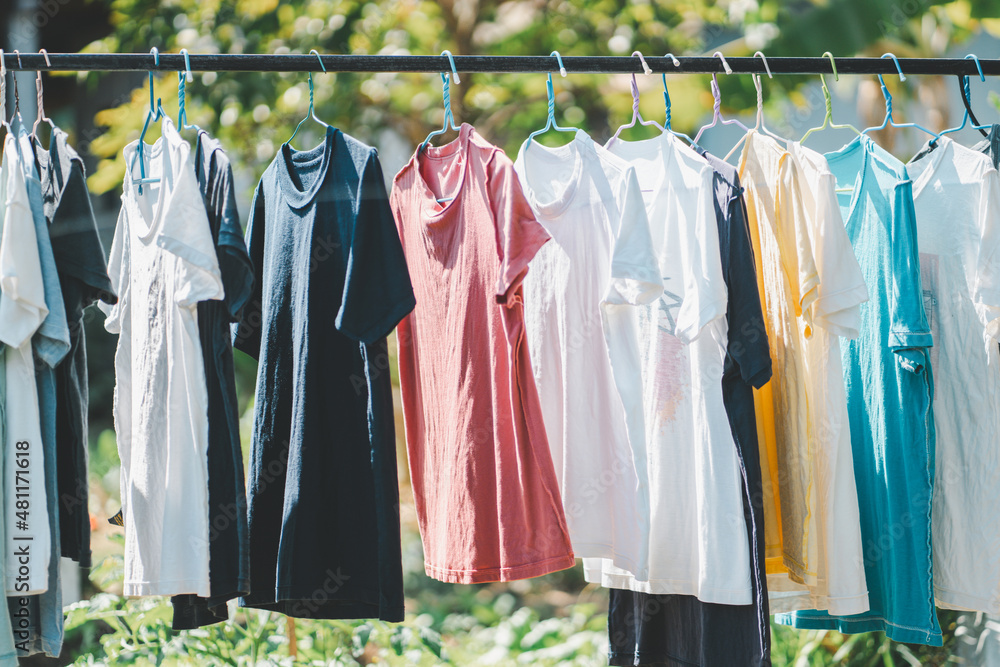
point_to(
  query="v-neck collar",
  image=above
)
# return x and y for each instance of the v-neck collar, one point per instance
(929, 164)
(863, 143)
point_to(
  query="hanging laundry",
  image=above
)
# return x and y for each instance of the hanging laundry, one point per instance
(229, 556)
(697, 537)
(834, 578)
(889, 388)
(812, 288)
(330, 284)
(956, 198)
(484, 486)
(580, 321)
(648, 628)
(162, 264)
(83, 278)
(22, 310)
(29, 327)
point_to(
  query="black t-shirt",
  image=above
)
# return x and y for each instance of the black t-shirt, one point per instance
(330, 283)
(681, 630)
(83, 277)
(229, 555)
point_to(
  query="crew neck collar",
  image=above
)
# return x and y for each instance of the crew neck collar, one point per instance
(579, 150)
(298, 194)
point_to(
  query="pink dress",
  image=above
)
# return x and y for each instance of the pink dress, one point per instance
(483, 482)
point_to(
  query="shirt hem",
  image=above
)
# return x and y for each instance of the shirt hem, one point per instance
(895, 632)
(959, 601)
(671, 587)
(494, 574)
(134, 589)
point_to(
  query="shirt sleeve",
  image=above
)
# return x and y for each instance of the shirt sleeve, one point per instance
(118, 272)
(185, 232)
(247, 330)
(986, 291)
(231, 250)
(842, 287)
(22, 306)
(797, 259)
(377, 290)
(908, 329)
(519, 234)
(635, 272)
(705, 293)
(747, 344)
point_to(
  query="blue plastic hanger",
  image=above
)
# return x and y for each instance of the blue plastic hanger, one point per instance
(183, 78)
(154, 114)
(449, 117)
(666, 102)
(888, 104)
(636, 116)
(550, 121)
(966, 93)
(717, 105)
(312, 107)
(828, 118)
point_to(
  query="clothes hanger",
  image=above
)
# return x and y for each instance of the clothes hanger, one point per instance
(154, 114)
(3, 93)
(449, 116)
(550, 121)
(636, 116)
(828, 118)
(889, 120)
(964, 80)
(717, 105)
(759, 127)
(963, 87)
(183, 78)
(17, 97)
(312, 108)
(41, 106)
(666, 102)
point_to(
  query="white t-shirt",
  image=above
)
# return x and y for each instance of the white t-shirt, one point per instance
(22, 311)
(956, 197)
(697, 537)
(162, 264)
(835, 578)
(580, 295)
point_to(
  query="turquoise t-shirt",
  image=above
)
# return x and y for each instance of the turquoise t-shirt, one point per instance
(889, 392)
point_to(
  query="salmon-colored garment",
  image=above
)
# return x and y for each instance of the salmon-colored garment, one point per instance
(483, 482)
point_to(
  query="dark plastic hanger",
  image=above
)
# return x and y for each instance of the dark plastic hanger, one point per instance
(963, 88)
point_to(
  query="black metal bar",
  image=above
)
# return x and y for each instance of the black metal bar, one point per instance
(592, 64)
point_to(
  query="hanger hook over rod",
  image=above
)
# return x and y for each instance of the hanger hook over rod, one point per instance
(645, 67)
(562, 69)
(725, 65)
(902, 77)
(767, 68)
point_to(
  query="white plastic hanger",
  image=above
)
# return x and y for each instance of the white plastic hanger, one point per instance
(717, 106)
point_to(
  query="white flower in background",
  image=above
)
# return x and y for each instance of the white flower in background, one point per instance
(738, 9)
(758, 35)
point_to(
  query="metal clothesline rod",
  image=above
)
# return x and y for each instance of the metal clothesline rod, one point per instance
(226, 62)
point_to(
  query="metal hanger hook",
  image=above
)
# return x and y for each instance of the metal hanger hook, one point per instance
(725, 65)
(18, 54)
(562, 69)
(321, 65)
(978, 66)
(717, 104)
(156, 56)
(677, 63)
(188, 75)
(902, 77)
(451, 62)
(645, 67)
(833, 65)
(767, 68)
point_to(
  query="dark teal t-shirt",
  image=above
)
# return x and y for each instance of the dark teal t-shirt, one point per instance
(330, 284)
